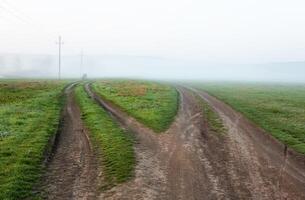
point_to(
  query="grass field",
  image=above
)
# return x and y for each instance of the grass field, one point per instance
(279, 109)
(29, 115)
(115, 144)
(153, 104)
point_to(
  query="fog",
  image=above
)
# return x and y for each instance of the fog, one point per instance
(97, 66)
(162, 39)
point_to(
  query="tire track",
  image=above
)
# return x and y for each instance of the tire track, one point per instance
(149, 181)
(72, 172)
(189, 161)
(177, 164)
(270, 172)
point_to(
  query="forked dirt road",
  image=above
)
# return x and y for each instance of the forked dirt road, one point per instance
(191, 162)
(72, 172)
(187, 162)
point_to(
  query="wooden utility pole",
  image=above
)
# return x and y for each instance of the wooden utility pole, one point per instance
(59, 56)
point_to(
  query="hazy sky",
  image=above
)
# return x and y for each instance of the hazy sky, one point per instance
(210, 30)
(199, 31)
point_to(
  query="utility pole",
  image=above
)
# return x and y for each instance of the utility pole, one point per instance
(81, 63)
(59, 55)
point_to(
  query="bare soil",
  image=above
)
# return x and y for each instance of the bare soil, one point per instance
(258, 163)
(177, 164)
(72, 172)
(189, 161)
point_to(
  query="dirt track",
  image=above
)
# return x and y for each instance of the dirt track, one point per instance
(191, 162)
(178, 164)
(73, 170)
(188, 161)
(270, 170)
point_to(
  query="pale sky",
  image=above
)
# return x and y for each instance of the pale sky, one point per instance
(213, 30)
(207, 31)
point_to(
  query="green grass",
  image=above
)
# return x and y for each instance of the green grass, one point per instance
(153, 104)
(29, 116)
(277, 108)
(115, 144)
(16, 91)
(215, 123)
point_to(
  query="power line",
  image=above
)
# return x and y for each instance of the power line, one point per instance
(3, 17)
(14, 14)
(12, 10)
(22, 17)
(16, 10)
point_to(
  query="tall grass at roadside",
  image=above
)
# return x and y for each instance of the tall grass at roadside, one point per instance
(153, 104)
(114, 143)
(29, 116)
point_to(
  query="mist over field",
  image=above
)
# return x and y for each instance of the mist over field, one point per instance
(206, 40)
(95, 66)
(162, 99)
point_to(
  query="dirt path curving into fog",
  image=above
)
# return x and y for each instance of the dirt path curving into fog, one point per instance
(267, 169)
(72, 172)
(189, 161)
(178, 164)
(149, 181)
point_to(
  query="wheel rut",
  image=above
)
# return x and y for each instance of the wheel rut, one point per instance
(149, 180)
(188, 161)
(265, 167)
(72, 172)
(177, 164)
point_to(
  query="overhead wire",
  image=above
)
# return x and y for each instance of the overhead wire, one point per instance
(16, 10)
(24, 18)
(16, 16)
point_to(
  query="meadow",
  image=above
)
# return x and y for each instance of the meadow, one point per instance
(151, 103)
(29, 117)
(277, 108)
(114, 144)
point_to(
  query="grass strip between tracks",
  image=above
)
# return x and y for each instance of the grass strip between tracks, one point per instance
(27, 122)
(153, 104)
(115, 144)
(215, 123)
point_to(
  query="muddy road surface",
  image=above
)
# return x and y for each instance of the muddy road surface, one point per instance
(189, 161)
(149, 181)
(262, 166)
(177, 164)
(72, 172)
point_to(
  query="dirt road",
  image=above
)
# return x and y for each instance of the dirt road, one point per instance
(191, 162)
(187, 162)
(178, 164)
(149, 181)
(267, 169)
(72, 172)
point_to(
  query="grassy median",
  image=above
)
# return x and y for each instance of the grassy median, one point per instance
(114, 143)
(153, 104)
